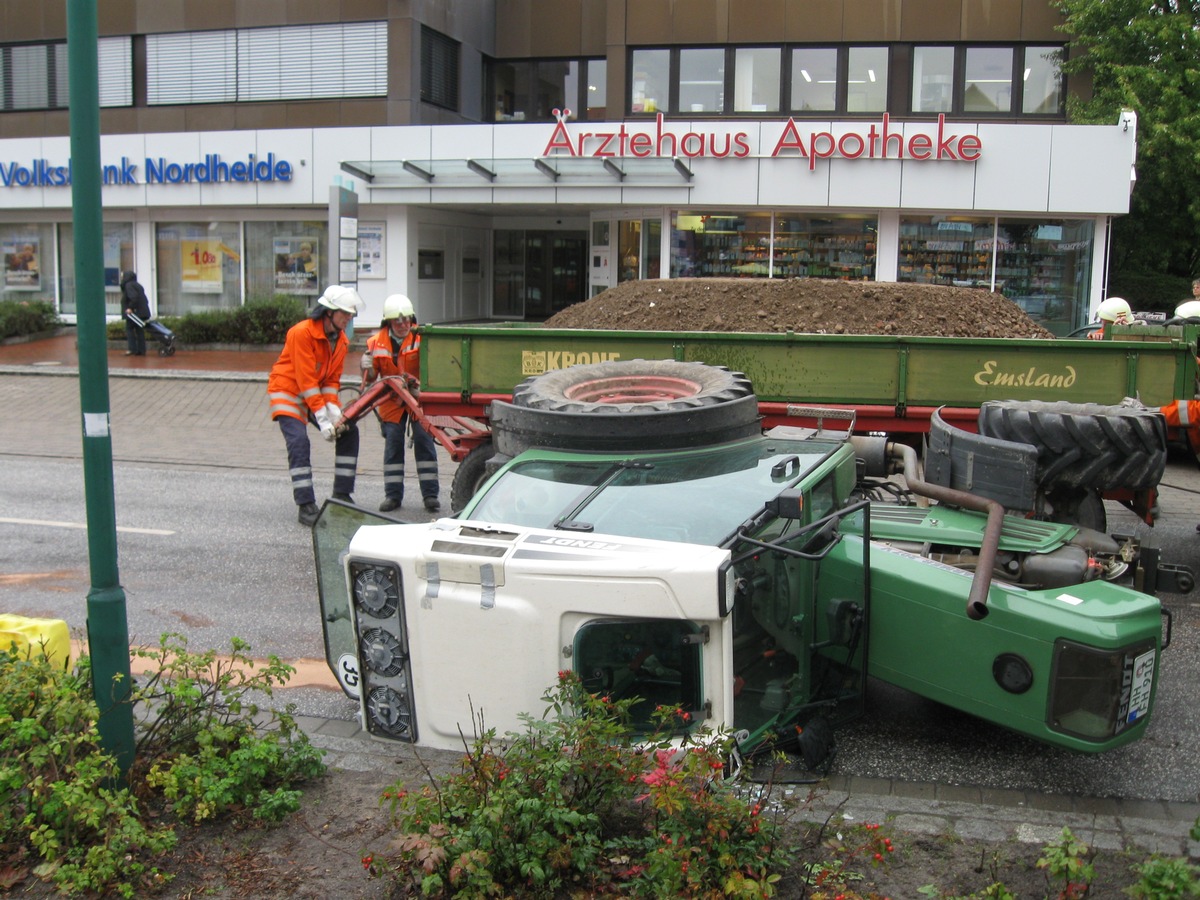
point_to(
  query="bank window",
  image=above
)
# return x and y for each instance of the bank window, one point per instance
(1041, 81)
(439, 69)
(530, 90)
(34, 76)
(294, 62)
(756, 79)
(28, 255)
(118, 258)
(286, 258)
(198, 266)
(650, 83)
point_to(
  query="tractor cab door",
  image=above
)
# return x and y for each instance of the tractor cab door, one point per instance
(336, 525)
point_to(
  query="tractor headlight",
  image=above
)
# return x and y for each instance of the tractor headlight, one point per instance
(1097, 693)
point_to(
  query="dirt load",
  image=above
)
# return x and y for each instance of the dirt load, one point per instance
(812, 305)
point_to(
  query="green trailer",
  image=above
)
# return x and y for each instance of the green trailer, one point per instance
(893, 383)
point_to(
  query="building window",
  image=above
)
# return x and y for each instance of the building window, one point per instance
(34, 76)
(702, 80)
(867, 80)
(756, 74)
(286, 258)
(933, 80)
(745, 245)
(28, 255)
(530, 90)
(291, 63)
(987, 80)
(198, 266)
(439, 69)
(1042, 266)
(650, 83)
(1041, 82)
(814, 79)
(118, 258)
(596, 94)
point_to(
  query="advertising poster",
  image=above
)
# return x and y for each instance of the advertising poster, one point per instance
(296, 265)
(201, 269)
(22, 265)
(370, 250)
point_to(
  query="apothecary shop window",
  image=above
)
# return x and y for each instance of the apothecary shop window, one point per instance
(286, 258)
(199, 266)
(650, 85)
(118, 258)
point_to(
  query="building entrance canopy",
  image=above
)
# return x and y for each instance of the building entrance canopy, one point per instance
(559, 171)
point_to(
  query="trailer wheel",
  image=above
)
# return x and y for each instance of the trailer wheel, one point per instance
(627, 404)
(470, 475)
(1083, 446)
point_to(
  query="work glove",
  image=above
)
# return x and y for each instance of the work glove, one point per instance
(328, 431)
(366, 363)
(413, 385)
(335, 413)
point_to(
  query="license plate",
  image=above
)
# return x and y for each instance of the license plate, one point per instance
(1139, 690)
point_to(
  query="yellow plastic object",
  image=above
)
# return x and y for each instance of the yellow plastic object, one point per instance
(36, 637)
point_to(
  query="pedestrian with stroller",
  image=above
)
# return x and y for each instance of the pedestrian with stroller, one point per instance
(395, 350)
(303, 387)
(136, 312)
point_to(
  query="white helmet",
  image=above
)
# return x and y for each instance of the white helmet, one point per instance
(1189, 309)
(1114, 308)
(397, 306)
(341, 298)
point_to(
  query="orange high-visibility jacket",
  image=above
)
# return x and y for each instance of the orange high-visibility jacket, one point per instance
(308, 373)
(1185, 414)
(407, 362)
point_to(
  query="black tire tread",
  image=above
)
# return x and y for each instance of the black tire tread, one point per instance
(1084, 445)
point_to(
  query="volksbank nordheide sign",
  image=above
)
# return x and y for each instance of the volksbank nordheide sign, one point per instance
(212, 169)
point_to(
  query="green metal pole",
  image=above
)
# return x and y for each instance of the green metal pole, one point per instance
(107, 626)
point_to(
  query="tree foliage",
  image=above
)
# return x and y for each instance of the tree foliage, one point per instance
(1144, 55)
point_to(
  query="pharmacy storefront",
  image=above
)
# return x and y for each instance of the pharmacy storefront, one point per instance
(515, 221)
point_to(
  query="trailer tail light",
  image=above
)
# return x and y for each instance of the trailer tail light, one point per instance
(377, 595)
(1097, 694)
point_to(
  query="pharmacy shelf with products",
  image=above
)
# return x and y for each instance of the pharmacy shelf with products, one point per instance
(750, 254)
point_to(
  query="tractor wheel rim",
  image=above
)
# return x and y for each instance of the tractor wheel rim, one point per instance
(632, 389)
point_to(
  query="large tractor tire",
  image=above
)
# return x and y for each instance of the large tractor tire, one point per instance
(626, 405)
(470, 475)
(1084, 447)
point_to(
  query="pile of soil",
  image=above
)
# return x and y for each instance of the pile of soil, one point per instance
(803, 305)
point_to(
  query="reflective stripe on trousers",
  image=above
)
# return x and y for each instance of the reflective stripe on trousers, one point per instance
(295, 436)
(425, 451)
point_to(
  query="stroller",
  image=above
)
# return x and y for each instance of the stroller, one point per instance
(160, 332)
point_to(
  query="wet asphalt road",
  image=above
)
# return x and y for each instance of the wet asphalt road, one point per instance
(213, 551)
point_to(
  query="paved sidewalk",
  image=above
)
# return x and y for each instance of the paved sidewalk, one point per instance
(168, 409)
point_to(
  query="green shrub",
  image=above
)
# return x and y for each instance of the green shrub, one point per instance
(60, 798)
(575, 806)
(207, 745)
(258, 322)
(19, 318)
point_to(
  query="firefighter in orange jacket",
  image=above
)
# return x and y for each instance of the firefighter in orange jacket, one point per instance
(303, 387)
(395, 350)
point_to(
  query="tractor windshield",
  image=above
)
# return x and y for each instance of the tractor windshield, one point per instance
(698, 496)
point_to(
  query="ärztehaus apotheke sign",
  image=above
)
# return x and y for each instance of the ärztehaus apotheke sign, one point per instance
(210, 170)
(876, 140)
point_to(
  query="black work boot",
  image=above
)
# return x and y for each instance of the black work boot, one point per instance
(344, 497)
(431, 504)
(308, 514)
(389, 504)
